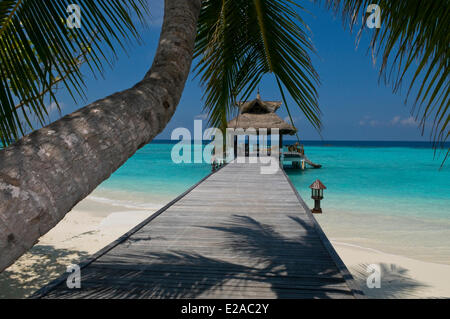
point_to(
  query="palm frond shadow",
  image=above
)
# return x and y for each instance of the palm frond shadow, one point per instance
(272, 267)
(395, 282)
(40, 266)
(188, 274)
(271, 251)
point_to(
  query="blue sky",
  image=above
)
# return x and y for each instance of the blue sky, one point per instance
(355, 105)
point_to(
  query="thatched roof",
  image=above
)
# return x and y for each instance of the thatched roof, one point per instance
(260, 114)
(258, 121)
(259, 106)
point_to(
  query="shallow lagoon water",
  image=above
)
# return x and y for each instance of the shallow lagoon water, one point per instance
(390, 198)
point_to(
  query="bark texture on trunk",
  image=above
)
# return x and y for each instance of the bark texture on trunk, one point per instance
(43, 176)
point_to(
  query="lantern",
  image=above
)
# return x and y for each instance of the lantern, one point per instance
(317, 194)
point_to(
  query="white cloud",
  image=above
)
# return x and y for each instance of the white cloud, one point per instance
(53, 107)
(202, 117)
(396, 121)
(364, 121)
(375, 123)
(287, 119)
(410, 121)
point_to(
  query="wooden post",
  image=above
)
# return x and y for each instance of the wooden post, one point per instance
(235, 146)
(247, 146)
(281, 145)
(257, 143)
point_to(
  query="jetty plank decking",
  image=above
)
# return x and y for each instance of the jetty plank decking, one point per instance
(237, 234)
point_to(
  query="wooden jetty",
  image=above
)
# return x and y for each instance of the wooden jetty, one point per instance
(236, 234)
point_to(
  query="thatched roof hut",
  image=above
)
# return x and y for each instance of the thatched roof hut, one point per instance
(260, 114)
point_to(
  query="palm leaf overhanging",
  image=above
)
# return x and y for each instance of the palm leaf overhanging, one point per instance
(240, 41)
(413, 39)
(38, 51)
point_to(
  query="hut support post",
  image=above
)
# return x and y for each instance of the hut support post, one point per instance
(247, 146)
(235, 147)
(281, 145)
(257, 143)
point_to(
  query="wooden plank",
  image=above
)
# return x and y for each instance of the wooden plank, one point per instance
(236, 234)
(59, 281)
(294, 273)
(178, 293)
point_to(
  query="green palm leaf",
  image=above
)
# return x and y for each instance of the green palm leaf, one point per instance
(413, 39)
(38, 50)
(240, 41)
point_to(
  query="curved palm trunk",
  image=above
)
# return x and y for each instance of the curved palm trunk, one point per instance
(47, 173)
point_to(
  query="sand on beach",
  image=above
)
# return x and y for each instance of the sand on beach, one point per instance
(91, 226)
(401, 277)
(96, 222)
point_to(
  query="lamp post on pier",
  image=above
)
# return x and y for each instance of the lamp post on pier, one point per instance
(317, 194)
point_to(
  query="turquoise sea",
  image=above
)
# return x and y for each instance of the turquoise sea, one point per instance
(387, 196)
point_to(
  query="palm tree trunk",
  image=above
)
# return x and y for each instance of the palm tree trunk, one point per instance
(43, 176)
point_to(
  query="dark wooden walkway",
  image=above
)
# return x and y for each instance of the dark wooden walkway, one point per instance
(237, 234)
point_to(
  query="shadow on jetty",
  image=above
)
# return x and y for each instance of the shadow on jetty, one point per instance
(37, 268)
(270, 269)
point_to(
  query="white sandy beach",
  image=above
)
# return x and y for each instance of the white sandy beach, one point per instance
(95, 223)
(92, 225)
(401, 277)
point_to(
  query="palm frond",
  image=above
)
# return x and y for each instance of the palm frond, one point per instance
(38, 50)
(240, 41)
(413, 40)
